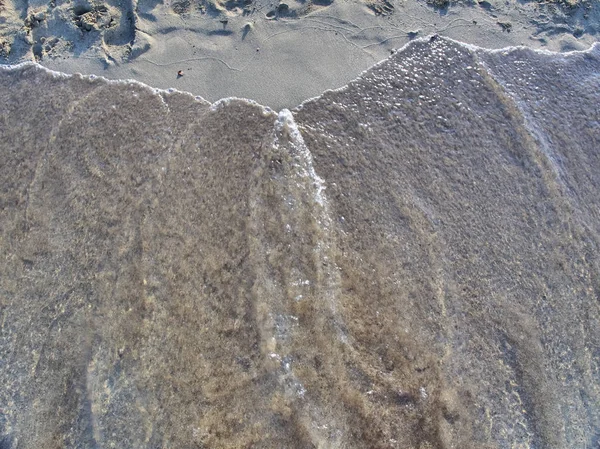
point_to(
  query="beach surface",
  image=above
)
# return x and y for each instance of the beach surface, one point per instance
(411, 261)
(362, 224)
(278, 54)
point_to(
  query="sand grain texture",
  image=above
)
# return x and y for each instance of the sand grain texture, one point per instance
(408, 262)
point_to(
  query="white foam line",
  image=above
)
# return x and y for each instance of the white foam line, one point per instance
(286, 120)
(129, 81)
(117, 82)
(595, 47)
(266, 110)
(285, 123)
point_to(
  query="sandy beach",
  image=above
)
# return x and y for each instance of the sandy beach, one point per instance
(389, 240)
(278, 54)
(408, 262)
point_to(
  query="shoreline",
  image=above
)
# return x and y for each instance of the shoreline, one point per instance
(279, 60)
(266, 108)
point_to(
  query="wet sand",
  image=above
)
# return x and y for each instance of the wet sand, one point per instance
(408, 262)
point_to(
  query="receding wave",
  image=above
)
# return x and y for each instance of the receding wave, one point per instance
(411, 261)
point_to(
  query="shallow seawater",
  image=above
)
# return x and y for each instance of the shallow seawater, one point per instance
(408, 262)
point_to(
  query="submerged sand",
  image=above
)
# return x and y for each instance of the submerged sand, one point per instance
(408, 262)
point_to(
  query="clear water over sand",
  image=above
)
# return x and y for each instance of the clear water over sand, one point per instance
(408, 262)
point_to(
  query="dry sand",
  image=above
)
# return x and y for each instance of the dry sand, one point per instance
(278, 54)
